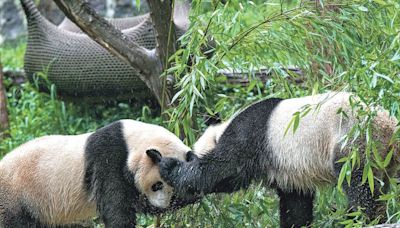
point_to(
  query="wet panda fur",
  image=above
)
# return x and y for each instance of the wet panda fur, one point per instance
(253, 146)
(113, 172)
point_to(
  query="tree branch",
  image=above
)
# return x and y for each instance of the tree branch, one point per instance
(105, 34)
(146, 62)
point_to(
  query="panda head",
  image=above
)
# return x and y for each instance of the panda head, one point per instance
(150, 184)
(209, 139)
(159, 194)
(146, 148)
(148, 180)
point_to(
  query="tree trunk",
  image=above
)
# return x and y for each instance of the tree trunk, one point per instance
(3, 107)
(161, 15)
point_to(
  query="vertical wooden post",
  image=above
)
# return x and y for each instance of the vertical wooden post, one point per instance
(3, 107)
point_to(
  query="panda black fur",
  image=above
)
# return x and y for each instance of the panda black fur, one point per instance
(253, 146)
(63, 180)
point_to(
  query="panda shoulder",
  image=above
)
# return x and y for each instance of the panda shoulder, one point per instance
(134, 127)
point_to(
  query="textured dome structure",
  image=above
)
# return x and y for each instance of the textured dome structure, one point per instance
(77, 65)
(119, 23)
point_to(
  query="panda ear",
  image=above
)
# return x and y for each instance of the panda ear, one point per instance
(154, 155)
(212, 120)
(190, 156)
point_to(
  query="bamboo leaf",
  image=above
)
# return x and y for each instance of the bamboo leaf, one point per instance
(388, 158)
(342, 175)
(371, 180)
(296, 122)
(365, 173)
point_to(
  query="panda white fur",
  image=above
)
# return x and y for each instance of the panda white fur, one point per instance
(60, 180)
(253, 146)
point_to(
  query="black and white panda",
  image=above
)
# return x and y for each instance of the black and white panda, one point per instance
(253, 146)
(113, 173)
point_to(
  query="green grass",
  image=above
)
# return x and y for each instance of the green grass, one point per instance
(12, 55)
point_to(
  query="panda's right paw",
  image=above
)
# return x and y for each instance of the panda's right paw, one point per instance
(169, 170)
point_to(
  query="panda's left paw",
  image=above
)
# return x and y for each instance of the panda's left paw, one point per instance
(169, 170)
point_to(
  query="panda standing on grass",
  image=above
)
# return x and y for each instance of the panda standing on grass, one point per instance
(254, 145)
(60, 180)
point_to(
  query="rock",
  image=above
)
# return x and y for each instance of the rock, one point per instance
(12, 21)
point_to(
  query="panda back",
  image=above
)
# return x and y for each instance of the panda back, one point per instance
(46, 176)
(304, 159)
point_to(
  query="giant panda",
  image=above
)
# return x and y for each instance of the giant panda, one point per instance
(253, 146)
(113, 173)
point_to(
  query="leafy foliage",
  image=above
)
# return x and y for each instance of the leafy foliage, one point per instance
(339, 45)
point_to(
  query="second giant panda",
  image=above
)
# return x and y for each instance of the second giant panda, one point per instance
(113, 173)
(254, 145)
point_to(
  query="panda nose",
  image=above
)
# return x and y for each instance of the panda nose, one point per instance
(190, 156)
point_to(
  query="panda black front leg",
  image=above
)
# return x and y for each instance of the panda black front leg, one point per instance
(116, 210)
(108, 178)
(296, 208)
(116, 197)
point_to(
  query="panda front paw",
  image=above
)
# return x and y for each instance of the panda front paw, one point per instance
(169, 170)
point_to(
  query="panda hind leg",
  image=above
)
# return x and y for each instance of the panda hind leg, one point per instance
(296, 208)
(359, 195)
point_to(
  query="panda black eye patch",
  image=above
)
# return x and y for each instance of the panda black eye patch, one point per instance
(157, 186)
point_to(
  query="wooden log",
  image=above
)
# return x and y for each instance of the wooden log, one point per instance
(232, 77)
(243, 78)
